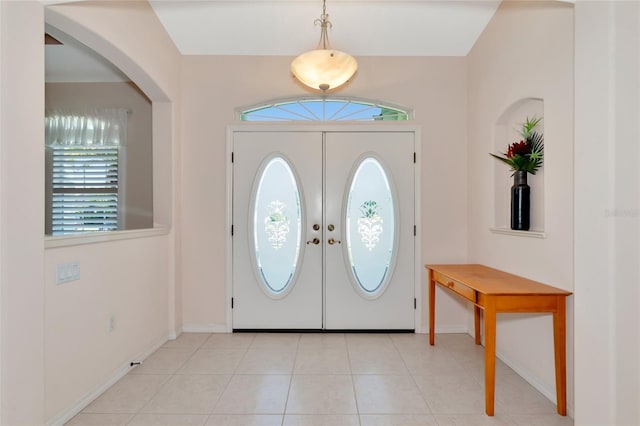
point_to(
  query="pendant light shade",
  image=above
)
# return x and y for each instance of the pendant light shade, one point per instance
(324, 68)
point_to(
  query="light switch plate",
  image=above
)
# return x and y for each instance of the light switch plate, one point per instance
(67, 272)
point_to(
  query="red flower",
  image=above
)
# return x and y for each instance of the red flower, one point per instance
(518, 148)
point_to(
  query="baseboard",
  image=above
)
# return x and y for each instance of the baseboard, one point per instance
(119, 373)
(548, 392)
(206, 328)
(451, 329)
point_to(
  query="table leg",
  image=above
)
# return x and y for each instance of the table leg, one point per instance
(489, 355)
(432, 308)
(560, 353)
(476, 319)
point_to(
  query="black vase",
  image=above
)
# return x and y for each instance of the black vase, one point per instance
(520, 193)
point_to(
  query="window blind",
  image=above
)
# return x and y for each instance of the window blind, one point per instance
(85, 189)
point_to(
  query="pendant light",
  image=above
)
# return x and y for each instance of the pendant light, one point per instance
(324, 68)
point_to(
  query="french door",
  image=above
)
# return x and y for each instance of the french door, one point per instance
(323, 230)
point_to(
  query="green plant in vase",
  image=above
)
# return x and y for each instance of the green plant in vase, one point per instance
(524, 156)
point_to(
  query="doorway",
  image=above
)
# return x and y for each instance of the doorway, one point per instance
(323, 230)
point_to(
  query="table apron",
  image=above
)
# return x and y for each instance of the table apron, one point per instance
(523, 303)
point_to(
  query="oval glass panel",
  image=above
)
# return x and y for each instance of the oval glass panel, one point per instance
(370, 225)
(277, 225)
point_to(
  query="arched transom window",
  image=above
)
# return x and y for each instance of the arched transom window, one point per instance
(323, 109)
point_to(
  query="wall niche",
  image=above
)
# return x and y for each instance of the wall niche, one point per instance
(506, 131)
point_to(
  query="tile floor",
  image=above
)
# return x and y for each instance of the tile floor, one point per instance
(317, 379)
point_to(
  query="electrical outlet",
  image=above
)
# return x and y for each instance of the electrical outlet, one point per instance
(66, 272)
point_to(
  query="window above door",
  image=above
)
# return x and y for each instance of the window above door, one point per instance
(323, 109)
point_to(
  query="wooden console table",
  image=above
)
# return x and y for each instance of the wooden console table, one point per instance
(495, 291)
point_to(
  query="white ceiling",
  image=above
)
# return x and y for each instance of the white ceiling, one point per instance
(360, 27)
(286, 28)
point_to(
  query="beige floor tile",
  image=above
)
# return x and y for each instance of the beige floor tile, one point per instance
(213, 361)
(321, 394)
(275, 341)
(228, 341)
(267, 361)
(382, 360)
(168, 420)
(322, 361)
(454, 340)
(188, 394)
(188, 340)
(410, 341)
(539, 420)
(397, 420)
(244, 420)
(321, 420)
(453, 394)
(519, 397)
(357, 341)
(128, 395)
(322, 340)
(472, 359)
(312, 379)
(387, 394)
(254, 394)
(163, 361)
(471, 420)
(431, 361)
(88, 419)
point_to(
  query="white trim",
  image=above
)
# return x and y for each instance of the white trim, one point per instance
(507, 231)
(377, 126)
(206, 328)
(417, 248)
(363, 101)
(66, 415)
(449, 329)
(228, 237)
(103, 237)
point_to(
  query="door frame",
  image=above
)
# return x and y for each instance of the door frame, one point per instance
(326, 127)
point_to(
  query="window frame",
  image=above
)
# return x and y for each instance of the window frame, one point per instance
(243, 112)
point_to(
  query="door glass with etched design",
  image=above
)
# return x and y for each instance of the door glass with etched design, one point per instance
(277, 226)
(370, 227)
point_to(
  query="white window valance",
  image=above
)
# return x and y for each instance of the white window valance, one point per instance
(90, 128)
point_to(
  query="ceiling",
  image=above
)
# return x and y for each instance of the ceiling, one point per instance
(360, 27)
(286, 28)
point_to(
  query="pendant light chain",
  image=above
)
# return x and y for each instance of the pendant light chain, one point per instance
(324, 24)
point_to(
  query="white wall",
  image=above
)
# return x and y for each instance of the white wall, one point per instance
(22, 201)
(526, 51)
(56, 349)
(213, 86)
(607, 213)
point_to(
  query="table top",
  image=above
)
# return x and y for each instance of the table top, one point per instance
(487, 280)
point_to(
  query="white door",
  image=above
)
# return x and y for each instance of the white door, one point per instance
(323, 230)
(369, 204)
(277, 200)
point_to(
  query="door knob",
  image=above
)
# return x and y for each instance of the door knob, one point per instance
(331, 227)
(331, 241)
(315, 241)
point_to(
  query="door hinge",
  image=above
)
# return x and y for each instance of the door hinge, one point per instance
(415, 231)
(232, 230)
(414, 158)
(415, 303)
(232, 303)
(232, 157)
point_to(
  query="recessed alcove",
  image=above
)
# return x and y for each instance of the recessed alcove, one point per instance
(506, 131)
